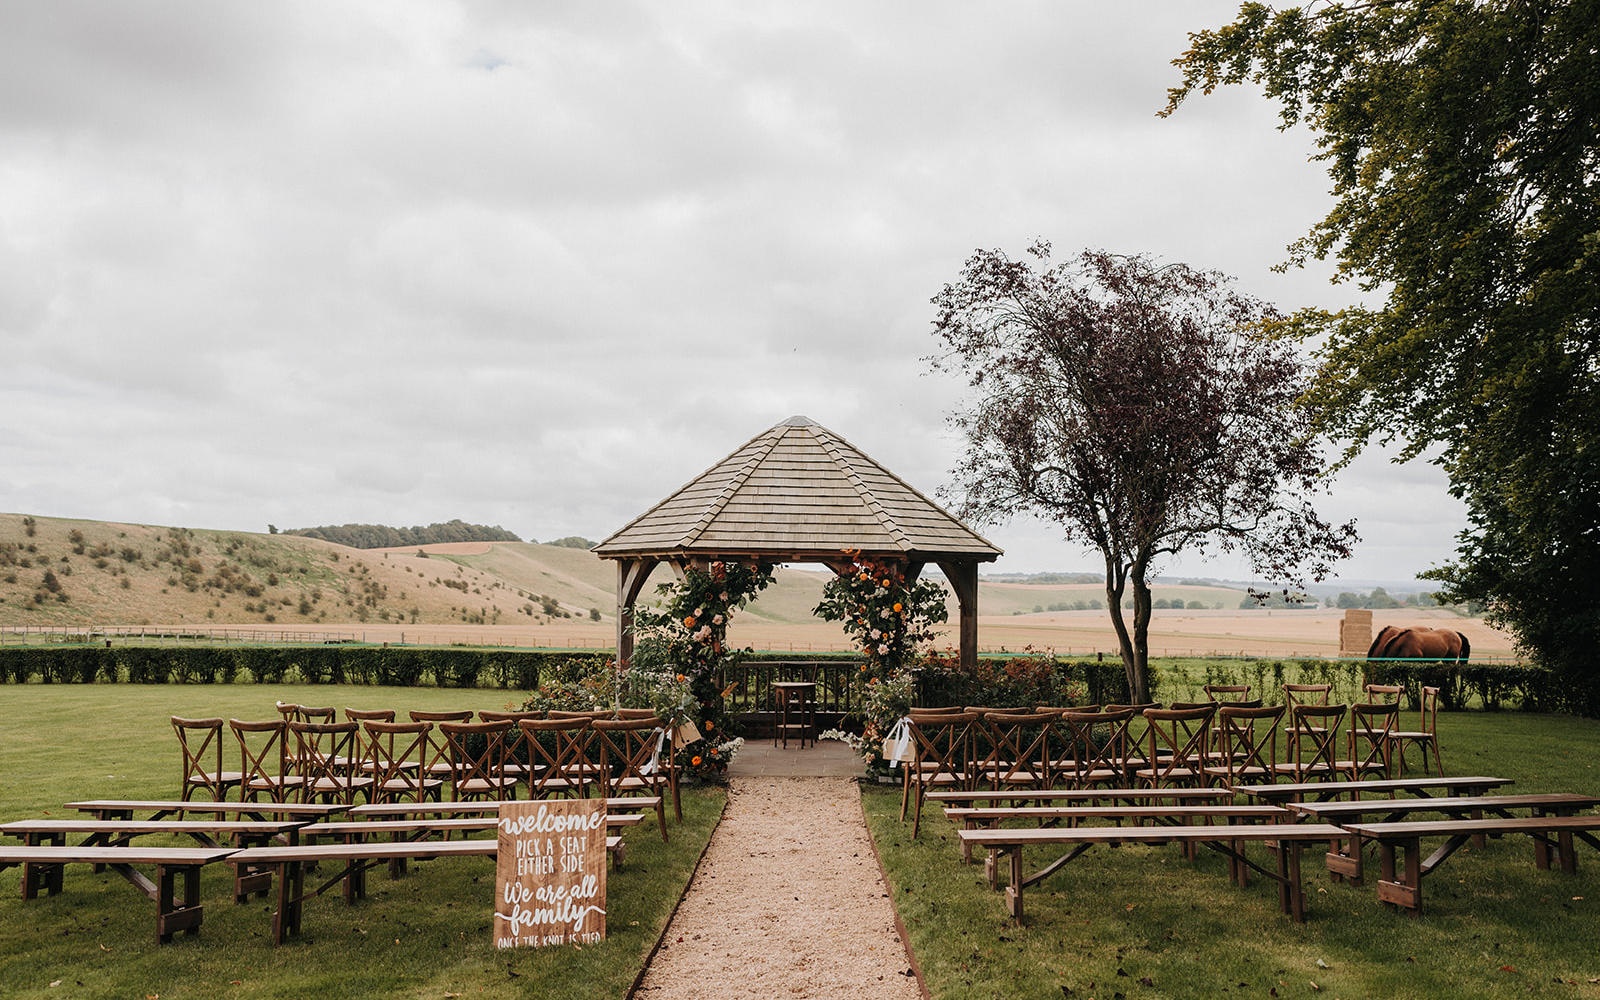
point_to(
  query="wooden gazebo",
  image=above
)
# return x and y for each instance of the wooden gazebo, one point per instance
(797, 493)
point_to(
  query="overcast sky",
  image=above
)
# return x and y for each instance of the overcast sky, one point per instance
(539, 264)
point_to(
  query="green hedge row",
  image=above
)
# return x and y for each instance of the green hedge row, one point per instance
(401, 666)
(1020, 681)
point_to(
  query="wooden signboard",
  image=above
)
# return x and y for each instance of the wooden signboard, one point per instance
(551, 874)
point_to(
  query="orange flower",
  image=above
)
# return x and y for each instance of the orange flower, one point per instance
(713, 751)
(696, 761)
(681, 678)
(897, 606)
(689, 622)
(708, 725)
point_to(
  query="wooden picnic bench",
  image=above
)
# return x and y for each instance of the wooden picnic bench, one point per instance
(42, 867)
(1227, 839)
(289, 865)
(977, 817)
(1401, 885)
(1345, 863)
(1323, 791)
(119, 833)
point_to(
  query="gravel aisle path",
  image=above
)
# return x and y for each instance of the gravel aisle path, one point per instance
(788, 902)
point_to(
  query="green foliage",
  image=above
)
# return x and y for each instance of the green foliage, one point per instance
(400, 666)
(1461, 142)
(382, 536)
(1033, 678)
(573, 542)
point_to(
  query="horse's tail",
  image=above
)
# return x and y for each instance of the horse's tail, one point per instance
(1466, 649)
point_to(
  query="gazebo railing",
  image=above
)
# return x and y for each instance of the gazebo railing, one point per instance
(749, 686)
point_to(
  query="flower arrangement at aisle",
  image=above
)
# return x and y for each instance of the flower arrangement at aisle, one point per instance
(685, 639)
(886, 616)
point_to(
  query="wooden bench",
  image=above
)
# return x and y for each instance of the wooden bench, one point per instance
(977, 817)
(42, 866)
(1401, 885)
(616, 806)
(1346, 863)
(1057, 796)
(1227, 839)
(289, 865)
(1323, 791)
(357, 831)
(119, 833)
(160, 808)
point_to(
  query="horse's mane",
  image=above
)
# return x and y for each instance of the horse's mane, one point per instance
(1385, 635)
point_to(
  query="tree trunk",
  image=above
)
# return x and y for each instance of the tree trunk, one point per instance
(1133, 667)
(1141, 634)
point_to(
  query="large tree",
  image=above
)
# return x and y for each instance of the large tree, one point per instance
(1463, 142)
(1140, 408)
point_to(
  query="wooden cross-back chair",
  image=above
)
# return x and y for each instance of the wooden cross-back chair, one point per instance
(1093, 747)
(288, 711)
(1179, 744)
(1136, 745)
(942, 757)
(396, 751)
(1369, 739)
(1294, 696)
(1379, 693)
(1224, 693)
(477, 755)
(263, 759)
(437, 763)
(561, 760)
(318, 713)
(359, 715)
(987, 753)
(1021, 745)
(200, 743)
(325, 756)
(591, 714)
(1425, 738)
(1247, 745)
(636, 759)
(1313, 750)
(517, 753)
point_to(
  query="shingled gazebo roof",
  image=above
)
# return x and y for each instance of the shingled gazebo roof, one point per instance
(794, 493)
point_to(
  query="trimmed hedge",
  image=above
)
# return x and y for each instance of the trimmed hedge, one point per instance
(1021, 681)
(398, 666)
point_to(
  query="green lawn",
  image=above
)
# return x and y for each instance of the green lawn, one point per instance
(427, 935)
(1137, 922)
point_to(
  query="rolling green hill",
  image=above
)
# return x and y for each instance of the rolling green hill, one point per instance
(60, 571)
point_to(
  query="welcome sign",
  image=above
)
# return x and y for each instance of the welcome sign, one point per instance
(551, 873)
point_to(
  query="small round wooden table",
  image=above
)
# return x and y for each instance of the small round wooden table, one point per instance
(799, 698)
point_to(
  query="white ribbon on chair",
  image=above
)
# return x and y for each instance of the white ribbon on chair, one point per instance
(897, 745)
(655, 757)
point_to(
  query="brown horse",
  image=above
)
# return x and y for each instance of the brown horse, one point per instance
(1419, 643)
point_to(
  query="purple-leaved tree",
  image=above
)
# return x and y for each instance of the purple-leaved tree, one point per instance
(1142, 408)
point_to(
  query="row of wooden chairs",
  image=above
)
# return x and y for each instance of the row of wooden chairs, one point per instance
(1223, 743)
(307, 755)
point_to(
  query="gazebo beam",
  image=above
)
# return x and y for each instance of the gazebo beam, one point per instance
(963, 577)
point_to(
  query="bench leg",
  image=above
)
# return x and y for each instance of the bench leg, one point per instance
(174, 914)
(1291, 894)
(286, 918)
(1014, 890)
(1404, 893)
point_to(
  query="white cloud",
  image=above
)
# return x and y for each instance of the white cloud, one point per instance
(541, 264)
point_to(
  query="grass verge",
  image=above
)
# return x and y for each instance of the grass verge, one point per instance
(427, 935)
(1140, 922)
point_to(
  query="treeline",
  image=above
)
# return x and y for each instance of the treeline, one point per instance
(1055, 579)
(382, 536)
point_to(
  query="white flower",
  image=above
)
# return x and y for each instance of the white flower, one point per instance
(723, 597)
(703, 634)
(876, 634)
(883, 649)
(716, 619)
